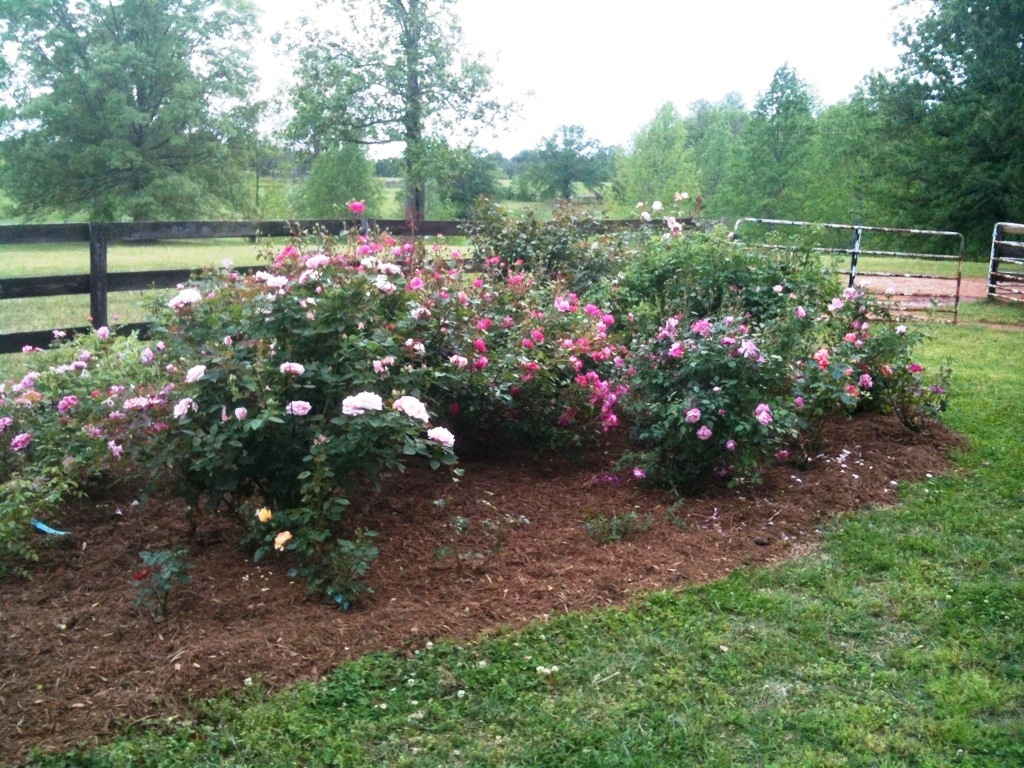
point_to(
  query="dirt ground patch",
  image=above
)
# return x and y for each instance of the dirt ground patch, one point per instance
(79, 661)
(918, 292)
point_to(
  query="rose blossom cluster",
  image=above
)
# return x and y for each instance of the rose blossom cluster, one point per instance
(368, 402)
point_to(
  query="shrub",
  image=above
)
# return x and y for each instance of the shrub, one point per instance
(706, 400)
(298, 385)
(72, 423)
(777, 356)
(862, 360)
(566, 249)
(276, 396)
(507, 359)
(701, 274)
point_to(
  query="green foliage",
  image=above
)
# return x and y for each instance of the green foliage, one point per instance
(703, 274)
(335, 177)
(22, 498)
(566, 158)
(658, 165)
(334, 569)
(768, 176)
(60, 436)
(705, 402)
(606, 529)
(841, 182)
(864, 361)
(460, 177)
(714, 134)
(412, 53)
(488, 539)
(563, 248)
(959, 96)
(160, 573)
(140, 109)
(740, 356)
(312, 378)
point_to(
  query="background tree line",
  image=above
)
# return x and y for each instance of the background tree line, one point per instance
(146, 109)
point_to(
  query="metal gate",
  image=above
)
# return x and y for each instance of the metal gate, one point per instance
(1006, 265)
(948, 247)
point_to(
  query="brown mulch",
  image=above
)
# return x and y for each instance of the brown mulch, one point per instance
(79, 661)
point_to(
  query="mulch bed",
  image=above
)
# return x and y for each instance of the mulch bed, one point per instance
(79, 661)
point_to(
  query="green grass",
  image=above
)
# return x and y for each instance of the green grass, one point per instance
(995, 312)
(73, 258)
(903, 266)
(898, 642)
(44, 313)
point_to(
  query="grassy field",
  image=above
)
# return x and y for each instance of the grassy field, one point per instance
(899, 641)
(39, 259)
(44, 313)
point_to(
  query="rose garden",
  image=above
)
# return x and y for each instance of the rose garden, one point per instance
(277, 405)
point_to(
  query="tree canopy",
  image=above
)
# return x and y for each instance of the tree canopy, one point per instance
(659, 164)
(337, 176)
(568, 157)
(394, 73)
(139, 109)
(950, 123)
(768, 173)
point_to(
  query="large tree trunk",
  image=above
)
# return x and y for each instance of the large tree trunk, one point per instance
(415, 188)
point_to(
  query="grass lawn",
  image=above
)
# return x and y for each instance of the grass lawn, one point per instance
(899, 641)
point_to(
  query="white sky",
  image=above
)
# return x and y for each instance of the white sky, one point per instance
(609, 66)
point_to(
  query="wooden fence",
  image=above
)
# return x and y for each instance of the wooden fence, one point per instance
(99, 282)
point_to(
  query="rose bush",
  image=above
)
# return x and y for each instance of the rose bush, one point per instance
(73, 421)
(707, 399)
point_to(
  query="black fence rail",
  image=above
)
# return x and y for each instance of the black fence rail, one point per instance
(100, 282)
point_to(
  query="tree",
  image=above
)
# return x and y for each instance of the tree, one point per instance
(138, 109)
(768, 179)
(838, 179)
(714, 137)
(955, 110)
(337, 176)
(395, 74)
(461, 177)
(659, 164)
(568, 157)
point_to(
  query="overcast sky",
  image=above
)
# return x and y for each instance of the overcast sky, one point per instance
(609, 66)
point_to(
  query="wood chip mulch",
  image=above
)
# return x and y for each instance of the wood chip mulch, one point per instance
(79, 662)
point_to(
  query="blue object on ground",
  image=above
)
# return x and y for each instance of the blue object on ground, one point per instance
(44, 528)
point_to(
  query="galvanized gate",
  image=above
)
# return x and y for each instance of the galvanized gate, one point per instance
(946, 247)
(1006, 265)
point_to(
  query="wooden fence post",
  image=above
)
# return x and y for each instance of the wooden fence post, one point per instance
(97, 275)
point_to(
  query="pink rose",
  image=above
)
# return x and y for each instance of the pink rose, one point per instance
(412, 408)
(298, 408)
(442, 436)
(356, 405)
